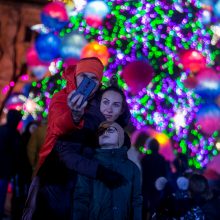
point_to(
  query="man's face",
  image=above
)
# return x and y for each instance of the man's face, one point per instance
(79, 79)
(109, 138)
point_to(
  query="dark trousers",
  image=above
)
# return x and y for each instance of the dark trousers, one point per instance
(3, 191)
(53, 202)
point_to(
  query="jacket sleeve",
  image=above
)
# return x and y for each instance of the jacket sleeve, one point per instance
(81, 198)
(60, 116)
(137, 196)
(70, 155)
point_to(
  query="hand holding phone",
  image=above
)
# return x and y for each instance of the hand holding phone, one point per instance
(75, 105)
(77, 100)
(85, 89)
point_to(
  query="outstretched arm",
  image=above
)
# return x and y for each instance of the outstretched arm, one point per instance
(70, 155)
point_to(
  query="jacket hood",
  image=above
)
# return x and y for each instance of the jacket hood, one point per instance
(69, 75)
(90, 64)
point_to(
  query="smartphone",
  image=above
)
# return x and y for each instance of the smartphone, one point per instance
(85, 88)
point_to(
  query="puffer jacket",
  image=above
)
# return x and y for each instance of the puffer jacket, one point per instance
(94, 201)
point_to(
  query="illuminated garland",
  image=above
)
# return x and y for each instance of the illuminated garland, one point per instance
(156, 31)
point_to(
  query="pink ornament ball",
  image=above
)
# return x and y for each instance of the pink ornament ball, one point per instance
(33, 59)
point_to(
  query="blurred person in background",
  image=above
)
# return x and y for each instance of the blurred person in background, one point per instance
(153, 166)
(22, 178)
(10, 144)
(35, 143)
(205, 203)
(133, 152)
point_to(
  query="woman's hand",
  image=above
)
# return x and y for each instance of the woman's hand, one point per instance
(74, 102)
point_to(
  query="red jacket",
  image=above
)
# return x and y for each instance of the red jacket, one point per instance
(59, 117)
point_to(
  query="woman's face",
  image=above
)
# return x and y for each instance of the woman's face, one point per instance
(79, 79)
(111, 105)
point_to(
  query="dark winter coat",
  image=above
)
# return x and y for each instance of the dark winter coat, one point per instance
(153, 166)
(211, 208)
(94, 201)
(10, 145)
(204, 209)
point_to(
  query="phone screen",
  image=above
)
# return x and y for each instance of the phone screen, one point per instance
(85, 88)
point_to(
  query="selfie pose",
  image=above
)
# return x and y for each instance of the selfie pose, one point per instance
(66, 109)
(92, 199)
(69, 157)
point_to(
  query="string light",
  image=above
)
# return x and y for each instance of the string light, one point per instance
(6, 88)
(30, 106)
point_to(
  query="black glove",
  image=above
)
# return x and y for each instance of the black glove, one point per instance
(110, 178)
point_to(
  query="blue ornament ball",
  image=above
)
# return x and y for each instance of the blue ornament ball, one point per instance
(208, 84)
(72, 45)
(206, 17)
(39, 71)
(216, 9)
(53, 23)
(26, 89)
(96, 8)
(48, 46)
(54, 16)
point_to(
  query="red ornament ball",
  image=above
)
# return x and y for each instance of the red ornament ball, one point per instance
(94, 21)
(137, 75)
(192, 60)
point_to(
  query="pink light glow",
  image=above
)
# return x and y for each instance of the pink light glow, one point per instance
(12, 83)
(25, 77)
(5, 89)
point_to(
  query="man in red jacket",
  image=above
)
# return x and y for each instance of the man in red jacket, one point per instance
(65, 113)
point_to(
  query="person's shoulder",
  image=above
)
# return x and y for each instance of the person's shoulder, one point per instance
(60, 93)
(60, 96)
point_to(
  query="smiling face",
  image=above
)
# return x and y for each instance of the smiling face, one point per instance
(111, 105)
(109, 138)
(79, 79)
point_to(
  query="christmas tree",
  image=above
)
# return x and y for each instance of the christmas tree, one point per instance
(154, 32)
